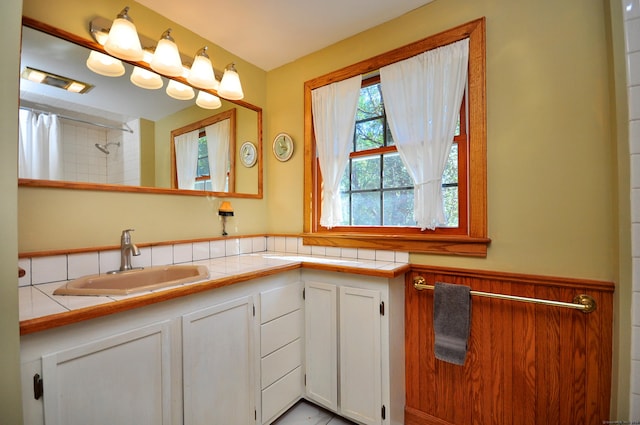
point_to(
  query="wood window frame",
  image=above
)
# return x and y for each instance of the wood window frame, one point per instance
(470, 241)
(200, 125)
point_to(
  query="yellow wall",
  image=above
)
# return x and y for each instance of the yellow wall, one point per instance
(61, 219)
(549, 144)
(10, 404)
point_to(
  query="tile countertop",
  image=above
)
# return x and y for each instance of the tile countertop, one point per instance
(41, 310)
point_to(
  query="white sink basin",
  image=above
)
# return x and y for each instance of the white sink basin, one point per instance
(132, 281)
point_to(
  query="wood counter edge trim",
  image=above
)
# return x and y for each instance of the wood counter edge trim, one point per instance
(43, 323)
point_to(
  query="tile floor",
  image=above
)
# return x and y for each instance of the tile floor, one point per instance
(305, 413)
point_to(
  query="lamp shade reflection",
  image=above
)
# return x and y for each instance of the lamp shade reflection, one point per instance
(180, 91)
(146, 79)
(104, 64)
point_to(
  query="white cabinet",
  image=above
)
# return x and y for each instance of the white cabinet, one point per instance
(351, 323)
(281, 345)
(218, 374)
(121, 379)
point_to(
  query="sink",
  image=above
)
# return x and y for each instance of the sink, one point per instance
(132, 281)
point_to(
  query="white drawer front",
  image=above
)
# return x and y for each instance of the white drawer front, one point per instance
(279, 301)
(279, 332)
(281, 395)
(280, 362)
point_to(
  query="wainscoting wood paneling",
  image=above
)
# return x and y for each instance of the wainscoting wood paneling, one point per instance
(526, 363)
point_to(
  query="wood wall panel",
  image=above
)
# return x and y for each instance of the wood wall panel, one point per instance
(526, 363)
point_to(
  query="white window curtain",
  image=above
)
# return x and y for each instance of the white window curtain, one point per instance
(422, 97)
(218, 149)
(40, 146)
(334, 117)
(187, 159)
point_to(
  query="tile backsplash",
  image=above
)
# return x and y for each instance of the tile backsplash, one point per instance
(57, 268)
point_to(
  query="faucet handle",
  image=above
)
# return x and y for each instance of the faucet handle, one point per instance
(126, 237)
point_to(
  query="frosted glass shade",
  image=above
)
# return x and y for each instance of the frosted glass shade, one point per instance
(201, 73)
(123, 41)
(230, 87)
(166, 59)
(104, 64)
(146, 79)
(180, 91)
(208, 101)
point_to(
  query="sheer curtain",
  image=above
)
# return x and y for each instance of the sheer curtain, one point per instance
(334, 117)
(187, 159)
(422, 97)
(218, 148)
(40, 146)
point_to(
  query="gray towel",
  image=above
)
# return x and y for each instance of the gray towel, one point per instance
(451, 321)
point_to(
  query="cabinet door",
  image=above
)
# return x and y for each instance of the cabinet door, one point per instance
(321, 344)
(218, 359)
(360, 364)
(124, 379)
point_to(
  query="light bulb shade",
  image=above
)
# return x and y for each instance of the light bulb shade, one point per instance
(225, 209)
(180, 91)
(123, 41)
(146, 79)
(230, 87)
(166, 59)
(201, 73)
(208, 101)
(104, 64)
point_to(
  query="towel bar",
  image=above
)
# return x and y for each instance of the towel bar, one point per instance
(582, 302)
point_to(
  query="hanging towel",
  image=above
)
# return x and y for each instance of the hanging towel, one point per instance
(451, 321)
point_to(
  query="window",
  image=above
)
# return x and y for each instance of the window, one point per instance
(376, 190)
(202, 161)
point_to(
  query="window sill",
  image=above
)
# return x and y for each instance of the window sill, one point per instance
(444, 245)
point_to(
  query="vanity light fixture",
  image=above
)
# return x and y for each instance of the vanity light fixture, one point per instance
(225, 210)
(230, 87)
(180, 91)
(166, 58)
(123, 41)
(104, 64)
(201, 74)
(144, 78)
(208, 101)
(49, 79)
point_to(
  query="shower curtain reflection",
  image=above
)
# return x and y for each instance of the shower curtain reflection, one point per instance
(40, 146)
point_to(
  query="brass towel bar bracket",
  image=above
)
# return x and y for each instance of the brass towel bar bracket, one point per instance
(583, 302)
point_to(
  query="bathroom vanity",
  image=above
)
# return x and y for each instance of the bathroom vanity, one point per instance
(239, 348)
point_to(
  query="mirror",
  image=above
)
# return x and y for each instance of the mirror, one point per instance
(117, 136)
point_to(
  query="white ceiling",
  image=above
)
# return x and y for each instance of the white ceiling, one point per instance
(271, 33)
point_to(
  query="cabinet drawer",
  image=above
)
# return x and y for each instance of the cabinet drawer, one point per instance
(279, 332)
(279, 301)
(281, 395)
(280, 362)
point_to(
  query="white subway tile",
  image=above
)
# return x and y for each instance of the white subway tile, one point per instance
(385, 255)
(182, 253)
(318, 250)
(635, 343)
(302, 248)
(246, 246)
(161, 255)
(232, 247)
(48, 269)
(291, 244)
(271, 243)
(200, 251)
(142, 260)
(366, 254)
(634, 411)
(634, 102)
(333, 251)
(217, 249)
(635, 376)
(634, 136)
(630, 9)
(636, 274)
(402, 257)
(635, 239)
(632, 35)
(349, 252)
(109, 260)
(280, 244)
(83, 264)
(259, 244)
(635, 309)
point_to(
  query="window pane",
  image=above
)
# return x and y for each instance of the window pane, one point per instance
(398, 208)
(203, 158)
(450, 174)
(450, 204)
(395, 174)
(365, 173)
(369, 103)
(365, 209)
(369, 134)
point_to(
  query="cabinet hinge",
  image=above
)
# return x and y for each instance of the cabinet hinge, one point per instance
(38, 386)
(384, 412)
(382, 308)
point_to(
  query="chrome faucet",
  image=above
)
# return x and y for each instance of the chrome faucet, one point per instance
(127, 249)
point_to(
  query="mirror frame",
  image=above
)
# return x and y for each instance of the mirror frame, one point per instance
(60, 184)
